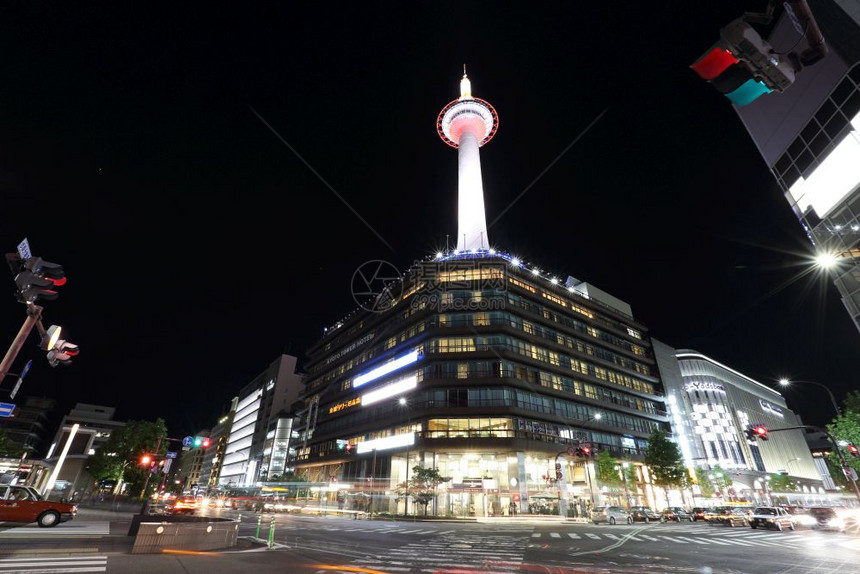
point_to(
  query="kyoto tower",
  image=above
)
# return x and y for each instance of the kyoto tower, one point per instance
(466, 124)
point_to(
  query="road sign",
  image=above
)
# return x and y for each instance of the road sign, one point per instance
(170, 454)
(21, 379)
(6, 409)
(188, 441)
(24, 250)
(571, 450)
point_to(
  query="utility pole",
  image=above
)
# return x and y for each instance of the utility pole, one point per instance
(34, 319)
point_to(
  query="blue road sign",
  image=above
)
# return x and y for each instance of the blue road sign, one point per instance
(24, 249)
(188, 441)
(6, 409)
(170, 454)
(26, 369)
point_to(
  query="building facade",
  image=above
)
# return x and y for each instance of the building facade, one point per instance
(249, 454)
(96, 423)
(211, 466)
(809, 136)
(711, 407)
(28, 427)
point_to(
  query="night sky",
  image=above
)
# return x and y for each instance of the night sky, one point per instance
(199, 247)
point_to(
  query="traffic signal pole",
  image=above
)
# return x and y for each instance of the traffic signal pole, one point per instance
(34, 317)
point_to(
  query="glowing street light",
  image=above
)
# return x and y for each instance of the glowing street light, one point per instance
(786, 383)
(826, 260)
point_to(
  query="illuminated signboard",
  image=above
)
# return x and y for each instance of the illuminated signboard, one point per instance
(383, 370)
(349, 348)
(344, 405)
(771, 408)
(704, 386)
(386, 443)
(387, 391)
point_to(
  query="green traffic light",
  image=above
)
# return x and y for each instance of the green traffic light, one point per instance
(198, 441)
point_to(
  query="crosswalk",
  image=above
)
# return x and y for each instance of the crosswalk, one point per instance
(746, 538)
(447, 552)
(54, 565)
(65, 530)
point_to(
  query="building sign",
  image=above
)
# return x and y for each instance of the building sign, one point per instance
(704, 386)
(771, 408)
(469, 484)
(344, 405)
(349, 348)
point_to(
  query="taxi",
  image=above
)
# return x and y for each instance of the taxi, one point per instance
(25, 504)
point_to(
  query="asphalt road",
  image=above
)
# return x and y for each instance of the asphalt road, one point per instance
(96, 542)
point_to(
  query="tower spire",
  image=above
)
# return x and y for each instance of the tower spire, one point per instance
(466, 124)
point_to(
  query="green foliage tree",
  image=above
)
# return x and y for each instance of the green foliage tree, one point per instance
(118, 459)
(421, 486)
(851, 404)
(606, 472)
(664, 459)
(7, 447)
(782, 483)
(846, 428)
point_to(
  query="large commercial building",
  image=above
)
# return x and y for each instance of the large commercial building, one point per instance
(483, 367)
(214, 455)
(95, 423)
(809, 136)
(262, 413)
(712, 406)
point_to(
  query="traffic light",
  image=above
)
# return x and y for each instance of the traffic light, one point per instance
(145, 460)
(35, 279)
(349, 448)
(742, 66)
(558, 473)
(205, 443)
(754, 432)
(853, 451)
(586, 450)
(62, 352)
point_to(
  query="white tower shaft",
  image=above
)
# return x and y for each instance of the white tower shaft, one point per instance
(472, 223)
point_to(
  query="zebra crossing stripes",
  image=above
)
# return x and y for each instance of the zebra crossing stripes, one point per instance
(490, 553)
(574, 535)
(53, 564)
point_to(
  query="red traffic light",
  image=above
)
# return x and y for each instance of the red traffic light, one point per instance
(586, 450)
(205, 442)
(713, 63)
(145, 459)
(853, 450)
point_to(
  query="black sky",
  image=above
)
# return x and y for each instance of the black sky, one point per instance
(199, 247)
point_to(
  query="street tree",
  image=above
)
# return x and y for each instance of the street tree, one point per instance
(606, 471)
(421, 486)
(7, 447)
(851, 404)
(118, 459)
(664, 459)
(782, 483)
(846, 429)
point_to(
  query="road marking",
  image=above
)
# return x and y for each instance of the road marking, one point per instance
(554, 535)
(651, 538)
(536, 535)
(612, 536)
(574, 536)
(696, 540)
(594, 536)
(673, 539)
(712, 541)
(54, 564)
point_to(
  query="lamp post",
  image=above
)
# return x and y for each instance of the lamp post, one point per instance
(563, 483)
(787, 383)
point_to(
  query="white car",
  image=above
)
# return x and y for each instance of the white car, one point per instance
(771, 517)
(611, 515)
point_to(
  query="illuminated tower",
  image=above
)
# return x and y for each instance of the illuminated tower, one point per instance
(466, 124)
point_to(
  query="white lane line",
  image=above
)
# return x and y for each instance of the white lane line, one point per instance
(554, 535)
(592, 536)
(713, 541)
(536, 535)
(574, 536)
(674, 539)
(651, 538)
(696, 540)
(612, 536)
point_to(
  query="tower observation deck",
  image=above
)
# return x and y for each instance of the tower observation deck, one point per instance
(466, 124)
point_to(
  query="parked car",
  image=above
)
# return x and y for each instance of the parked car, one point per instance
(698, 513)
(644, 514)
(677, 514)
(610, 515)
(771, 517)
(25, 504)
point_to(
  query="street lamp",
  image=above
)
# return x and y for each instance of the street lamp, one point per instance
(786, 383)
